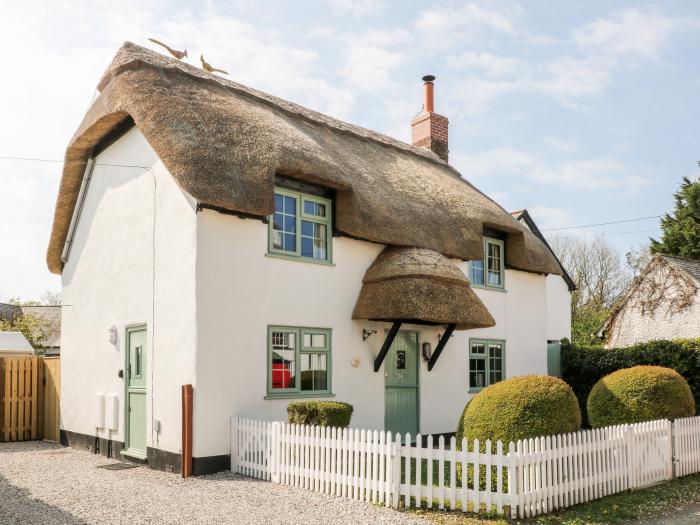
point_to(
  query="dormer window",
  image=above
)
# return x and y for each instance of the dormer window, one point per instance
(301, 226)
(489, 272)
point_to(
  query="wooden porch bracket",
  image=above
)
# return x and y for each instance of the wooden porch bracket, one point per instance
(387, 344)
(441, 345)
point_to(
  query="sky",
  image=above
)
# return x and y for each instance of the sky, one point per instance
(581, 112)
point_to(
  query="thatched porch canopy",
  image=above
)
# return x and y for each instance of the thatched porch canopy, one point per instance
(224, 144)
(419, 285)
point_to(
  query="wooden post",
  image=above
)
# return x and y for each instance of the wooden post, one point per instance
(2, 399)
(186, 431)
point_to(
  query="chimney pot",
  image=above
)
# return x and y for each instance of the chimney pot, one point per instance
(428, 99)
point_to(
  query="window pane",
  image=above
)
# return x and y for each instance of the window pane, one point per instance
(477, 372)
(278, 202)
(314, 208)
(283, 365)
(284, 224)
(314, 372)
(495, 363)
(314, 340)
(290, 205)
(277, 240)
(479, 348)
(307, 228)
(313, 240)
(476, 272)
(494, 264)
(290, 223)
(290, 243)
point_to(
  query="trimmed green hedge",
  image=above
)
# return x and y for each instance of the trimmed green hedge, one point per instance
(582, 367)
(640, 393)
(322, 413)
(520, 408)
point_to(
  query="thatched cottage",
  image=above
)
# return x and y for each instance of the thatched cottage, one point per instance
(210, 234)
(662, 303)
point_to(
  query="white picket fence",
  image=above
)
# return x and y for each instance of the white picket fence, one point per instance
(531, 477)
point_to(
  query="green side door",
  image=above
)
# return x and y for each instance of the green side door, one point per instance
(136, 393)
(401, 384)
(554, 358)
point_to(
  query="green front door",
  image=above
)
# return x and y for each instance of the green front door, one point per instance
(401, 384)
(136, 392)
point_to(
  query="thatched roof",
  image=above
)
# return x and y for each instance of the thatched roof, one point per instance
(224, 143)
(418, 284)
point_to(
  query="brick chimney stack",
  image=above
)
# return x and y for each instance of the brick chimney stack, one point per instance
(429, 128)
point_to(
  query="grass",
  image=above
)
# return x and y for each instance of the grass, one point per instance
(658, 500)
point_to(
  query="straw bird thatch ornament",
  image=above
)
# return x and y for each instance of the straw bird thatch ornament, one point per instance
(208, 67)
(174, 52)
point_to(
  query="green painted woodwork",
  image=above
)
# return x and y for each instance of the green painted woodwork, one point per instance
(500, 287)
(485, 356)
(302, 200)
(401, 394)
(136, 384)
(302, 347)
(554, 358)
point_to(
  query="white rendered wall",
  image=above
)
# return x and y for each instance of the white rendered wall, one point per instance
(558, 308)
(109, 280)
(240, 291)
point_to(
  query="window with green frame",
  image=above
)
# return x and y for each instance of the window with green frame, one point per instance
(486, 363)
(301, 226)
(489, 272)
(299, 361)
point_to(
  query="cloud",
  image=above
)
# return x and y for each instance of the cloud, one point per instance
(443, 27)
(589, 174)
(358, 7)
(548, 217)
(494, 162)
(507, 164)
(492, 65)
(630, 32)
(372, 57)
(567, 145)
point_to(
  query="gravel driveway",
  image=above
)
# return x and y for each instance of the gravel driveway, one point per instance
(46, 483)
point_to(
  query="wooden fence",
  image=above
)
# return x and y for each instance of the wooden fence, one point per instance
(528, 478)
(24, 391)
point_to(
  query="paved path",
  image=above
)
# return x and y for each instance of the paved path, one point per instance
(42, 483)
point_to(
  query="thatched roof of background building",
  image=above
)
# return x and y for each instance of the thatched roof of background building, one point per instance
(418, 284)
(224, 143)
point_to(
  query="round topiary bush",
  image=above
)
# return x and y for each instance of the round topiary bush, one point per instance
(640, 393)
(322, 413)
(519, 408)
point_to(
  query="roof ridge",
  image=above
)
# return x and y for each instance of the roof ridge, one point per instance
(285, 105)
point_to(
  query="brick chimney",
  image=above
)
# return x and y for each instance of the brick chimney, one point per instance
(429, 128)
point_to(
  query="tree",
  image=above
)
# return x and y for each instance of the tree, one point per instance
(595, 267)
(638, 258)
(681, 231)
(36, 329)
(50, 298)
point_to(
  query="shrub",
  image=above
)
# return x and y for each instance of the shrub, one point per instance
(582, 367)
(640, 393)
(322, 413)
(519, 408)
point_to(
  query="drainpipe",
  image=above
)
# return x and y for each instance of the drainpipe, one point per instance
(78, 209)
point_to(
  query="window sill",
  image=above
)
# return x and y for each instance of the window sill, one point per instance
(298, 259)
(484, 287)
(297, 396)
